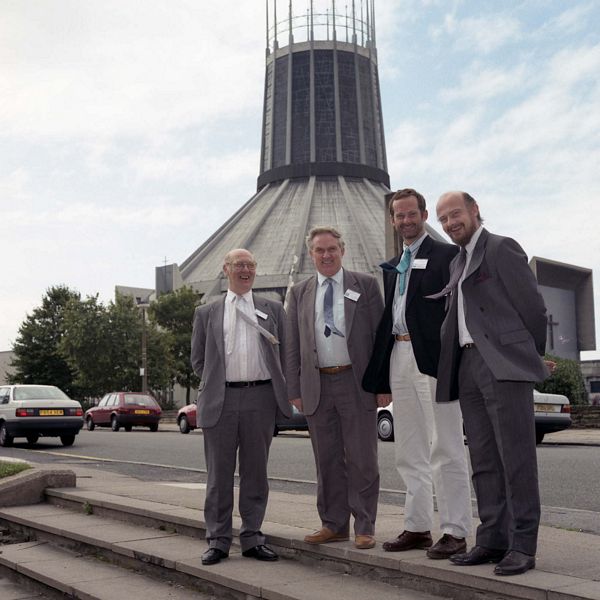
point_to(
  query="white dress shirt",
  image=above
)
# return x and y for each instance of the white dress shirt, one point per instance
(244, 359)
(399, 307)
(464, 337)
(332, 351)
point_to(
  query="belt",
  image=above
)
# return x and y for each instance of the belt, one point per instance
(468, 346)
(334, 370)
(405, 337)
(245, 384)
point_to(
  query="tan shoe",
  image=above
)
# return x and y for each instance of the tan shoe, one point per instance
(364, 542)
(325, 536)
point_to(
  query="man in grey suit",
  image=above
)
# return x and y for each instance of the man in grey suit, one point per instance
(332, 320)
(492, 345)
(237, 351)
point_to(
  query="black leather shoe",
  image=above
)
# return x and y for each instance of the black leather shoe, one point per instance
(515, 563)
(260, 552)
(213, 555)
(478, 555)
(447, 546)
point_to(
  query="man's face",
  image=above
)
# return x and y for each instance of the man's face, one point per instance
(240, 271)
(458, 219)
(326, 254)
(408, 220)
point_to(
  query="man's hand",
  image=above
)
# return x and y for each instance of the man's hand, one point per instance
(297, 402)
(383, 400)
(551, 365)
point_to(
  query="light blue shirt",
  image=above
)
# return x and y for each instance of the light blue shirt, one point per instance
(332, 351)
(399, 307)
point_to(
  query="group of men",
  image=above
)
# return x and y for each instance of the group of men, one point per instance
(459, 339)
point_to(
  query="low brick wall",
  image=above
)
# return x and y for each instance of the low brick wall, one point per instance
(585, 417)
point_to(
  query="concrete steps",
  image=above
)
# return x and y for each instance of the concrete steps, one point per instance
(86, 555)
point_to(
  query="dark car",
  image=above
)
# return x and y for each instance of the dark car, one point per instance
(552, 413)
(186, 420)
(31, 411)
(124, 409)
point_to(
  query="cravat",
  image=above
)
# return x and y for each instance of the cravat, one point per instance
(455, 276)
(264, 332)
(232, 322)
(402, 269)
(328, 310)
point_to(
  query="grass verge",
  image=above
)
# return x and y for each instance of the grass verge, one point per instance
(7, 468)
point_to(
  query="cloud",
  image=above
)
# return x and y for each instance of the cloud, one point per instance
(483, 34)
(110, 69)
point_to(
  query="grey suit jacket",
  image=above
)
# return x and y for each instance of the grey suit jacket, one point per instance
(505, 315)
(208, 356)
(362, 318)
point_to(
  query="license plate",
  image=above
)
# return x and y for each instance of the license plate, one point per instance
(547, 408)
(51, 413)
(142, 412)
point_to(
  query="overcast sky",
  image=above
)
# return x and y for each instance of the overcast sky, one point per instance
(130, 131)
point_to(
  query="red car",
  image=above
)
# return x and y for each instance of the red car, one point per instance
(124, 409)
(186, 419)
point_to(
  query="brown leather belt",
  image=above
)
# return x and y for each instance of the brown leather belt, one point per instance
(468, 346)
(244, 384)
(334, 370)
(405, 337)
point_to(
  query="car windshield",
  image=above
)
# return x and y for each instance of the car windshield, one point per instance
(39, 392)
(140, 400)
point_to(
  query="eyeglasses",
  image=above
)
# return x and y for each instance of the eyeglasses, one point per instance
(240, 266)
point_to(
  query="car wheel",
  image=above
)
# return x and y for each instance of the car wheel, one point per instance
(385, 427)
(89, 423)
(128, 427)
(32, 438)
(67, 440)
(114, 424)
(154, 427)
(539, 437)
(5, 438)
(184, 426)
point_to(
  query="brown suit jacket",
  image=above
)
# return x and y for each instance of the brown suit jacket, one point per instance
(362, 318)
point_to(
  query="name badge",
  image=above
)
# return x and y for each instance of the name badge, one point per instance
(352, 295)
(420, 263)
(260, 313)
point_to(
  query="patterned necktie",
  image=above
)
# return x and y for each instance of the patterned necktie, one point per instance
(455, 276)
(328, 310)
(402, 269)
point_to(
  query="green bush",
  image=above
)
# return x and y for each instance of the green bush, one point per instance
(566, 380)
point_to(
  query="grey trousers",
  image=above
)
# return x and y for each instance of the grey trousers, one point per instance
(500, 427)
(246, 424)
(344, 440)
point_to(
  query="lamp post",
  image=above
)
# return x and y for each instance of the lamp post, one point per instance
(144, 367)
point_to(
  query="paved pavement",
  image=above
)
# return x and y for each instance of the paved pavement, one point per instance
(567, 559)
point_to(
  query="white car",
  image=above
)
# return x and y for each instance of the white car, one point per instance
(31, 411)
(552, 413)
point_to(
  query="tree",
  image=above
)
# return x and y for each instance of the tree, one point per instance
(566, 380)
(174, 312)
(102, 345)
(38, 358)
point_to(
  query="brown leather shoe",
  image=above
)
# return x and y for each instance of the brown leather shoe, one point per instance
(325, 536)
(409, 540)
(364, 542)
(446, 546)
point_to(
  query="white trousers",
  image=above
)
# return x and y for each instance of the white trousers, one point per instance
(429, 449)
